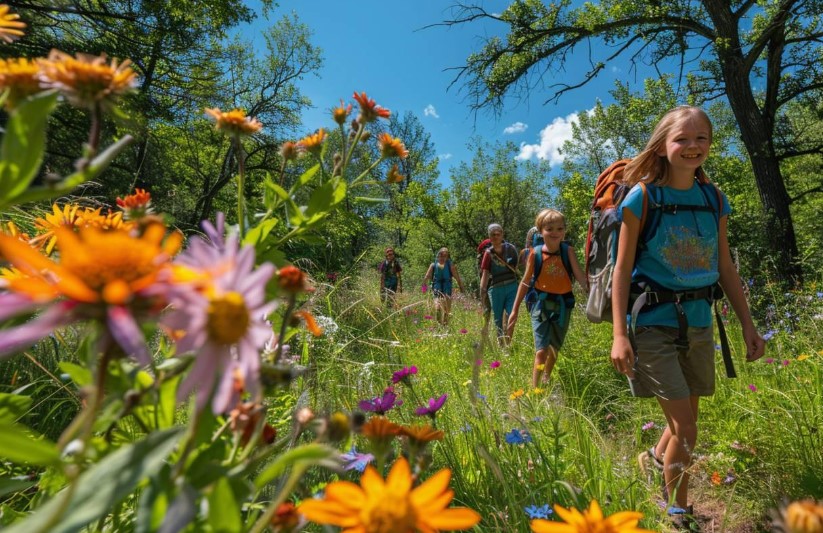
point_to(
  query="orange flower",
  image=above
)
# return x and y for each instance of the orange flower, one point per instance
(421, 434)
(313, 144)
(805, 516)
(369, 110)
(394, 176)
(20, 77)
(341, 114)
(286, 518)
(136, 205)
(589, 521)
(716, 479)
(380, 427)
(234, 122)
(393, 505)
(293, 280)
(289, 151)
(516, 394)
(392, 147)
(311, 323)
(88, 81)
(10, 27)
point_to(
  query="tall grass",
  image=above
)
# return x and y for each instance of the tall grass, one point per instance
(760, 433)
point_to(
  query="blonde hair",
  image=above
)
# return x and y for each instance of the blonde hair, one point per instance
(547, 216)
(653, 168)
(530, 236)
(442, 250)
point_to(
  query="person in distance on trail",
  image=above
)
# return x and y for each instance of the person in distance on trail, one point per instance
(441, 273)
(527, 248)
(391, 281)
(498, 279)
(551, 268)
(662, 356)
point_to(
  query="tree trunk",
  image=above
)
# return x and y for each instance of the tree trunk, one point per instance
(756, 131)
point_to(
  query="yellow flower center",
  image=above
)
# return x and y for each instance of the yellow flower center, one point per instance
(228, 318)
(390, 513)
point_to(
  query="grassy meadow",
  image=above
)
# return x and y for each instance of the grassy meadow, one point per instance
(511, 447)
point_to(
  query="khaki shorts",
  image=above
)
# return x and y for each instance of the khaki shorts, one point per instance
(660, 370)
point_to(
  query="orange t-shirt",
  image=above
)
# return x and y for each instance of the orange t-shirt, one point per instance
(553, 277)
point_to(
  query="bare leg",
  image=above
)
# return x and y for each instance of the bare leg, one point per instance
(447, 309)
(682, 418)
(539, 365)
(551, 359)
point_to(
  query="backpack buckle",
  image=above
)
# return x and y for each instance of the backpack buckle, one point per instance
(652, 298)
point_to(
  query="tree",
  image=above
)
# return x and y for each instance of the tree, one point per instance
(760, 55)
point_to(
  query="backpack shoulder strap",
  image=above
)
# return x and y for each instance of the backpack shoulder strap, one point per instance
(714, 199)
(538, 263)
(564, 257)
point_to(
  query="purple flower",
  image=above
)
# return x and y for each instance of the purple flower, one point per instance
(404, 374)
(730, 478)
(478, 362)
(224, 326)
(769, 334)
(464, 331)
(388, 400)
(647, 426)
(356, 461)
(769, 360)
(432, 408)
(785, 362)
(427, 317)
(752, 387)
(494, 364)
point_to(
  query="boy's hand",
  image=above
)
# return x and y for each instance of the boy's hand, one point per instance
(755, 345)
(623, 356)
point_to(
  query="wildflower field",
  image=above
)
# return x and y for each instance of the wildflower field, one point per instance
(159, 377)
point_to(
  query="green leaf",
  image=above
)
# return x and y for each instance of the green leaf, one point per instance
(325, 197)
(13, 406)
(9, 485)
(103, 486)
(309, 453)
(258, 234)
(370, 201)
(24, 143)
(18, 446)
(91, 171)
(224, 511)
(304, 179)
(80, 375)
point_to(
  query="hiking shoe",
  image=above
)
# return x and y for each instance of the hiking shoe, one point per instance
(646, 458)
(683, 519)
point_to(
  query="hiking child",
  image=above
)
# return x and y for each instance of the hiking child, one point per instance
(689, 252)
(527, 247)
(550, 277)
(441, 273)
(391, 281)
(498, 279)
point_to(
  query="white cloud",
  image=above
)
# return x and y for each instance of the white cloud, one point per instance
(443, 157)
(430, 111)
(517, 127)
(552, 138)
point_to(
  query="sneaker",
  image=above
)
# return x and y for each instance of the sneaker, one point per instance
(683, 519)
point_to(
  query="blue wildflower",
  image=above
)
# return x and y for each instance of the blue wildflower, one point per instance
(518, 436)
(769, 334)
(356, 461)
(538, 512)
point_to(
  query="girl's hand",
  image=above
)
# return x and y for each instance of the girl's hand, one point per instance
(755, 345)
(623, 356)
(512, 323)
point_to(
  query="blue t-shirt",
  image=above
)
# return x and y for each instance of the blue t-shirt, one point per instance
(682, 254)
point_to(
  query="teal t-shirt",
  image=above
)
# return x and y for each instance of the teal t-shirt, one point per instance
(681, 255)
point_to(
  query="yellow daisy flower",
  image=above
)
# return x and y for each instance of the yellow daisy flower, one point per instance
(590, 520)
(393, 505)
(20, 77)
(88, 81)
(10, 27)
(392, 146)
(516, 394)
(234, 122)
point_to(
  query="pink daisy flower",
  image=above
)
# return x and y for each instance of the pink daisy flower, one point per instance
(222, 318)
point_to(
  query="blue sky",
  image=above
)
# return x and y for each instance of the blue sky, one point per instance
(382, 48)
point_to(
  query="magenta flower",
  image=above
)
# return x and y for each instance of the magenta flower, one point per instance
(222, 317)
(785, 362)
(464, 331)
(428, 317)
(647, 426)
(752, 387)
(404, 375)
(494, 364)
(432, 408)
(769, 360)
(380, 404)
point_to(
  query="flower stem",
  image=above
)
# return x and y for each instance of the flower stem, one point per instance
(241, 185)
